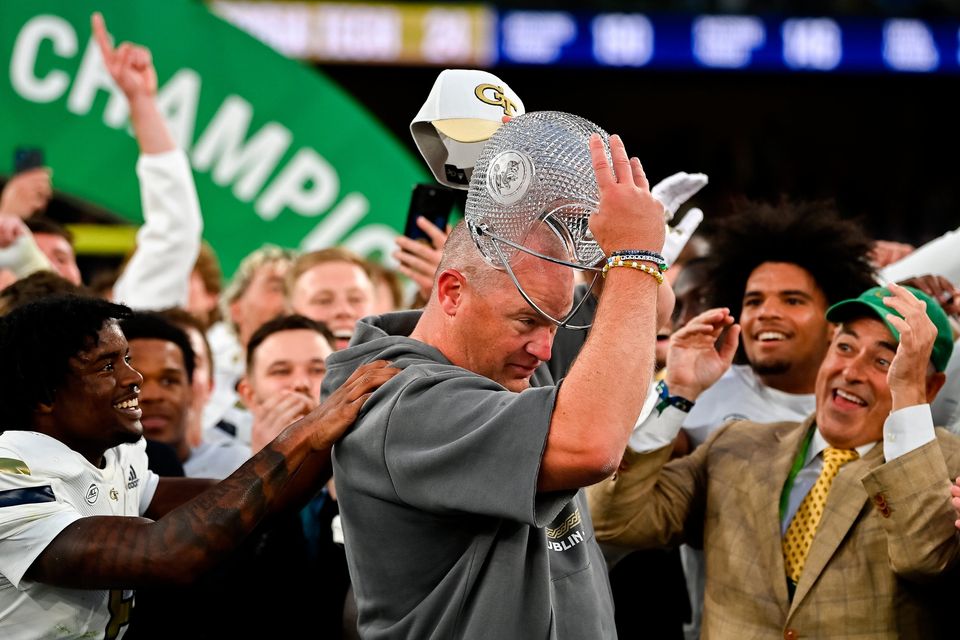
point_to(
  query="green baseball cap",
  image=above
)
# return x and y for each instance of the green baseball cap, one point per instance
(872, 300)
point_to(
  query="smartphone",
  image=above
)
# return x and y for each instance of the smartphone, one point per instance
(26, 158)
(434, 202)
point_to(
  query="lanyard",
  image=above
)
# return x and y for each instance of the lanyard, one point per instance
(794, 470)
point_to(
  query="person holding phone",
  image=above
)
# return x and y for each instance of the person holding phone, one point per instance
(428, 225)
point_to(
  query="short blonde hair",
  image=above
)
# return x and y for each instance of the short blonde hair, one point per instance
(308, 261)
(256, 260)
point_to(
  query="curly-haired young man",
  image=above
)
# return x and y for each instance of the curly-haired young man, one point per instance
(777, 267)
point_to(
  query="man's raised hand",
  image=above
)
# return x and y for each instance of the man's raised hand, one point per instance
(130, 65)
(693, 362)
(336, 414)
(629, 217)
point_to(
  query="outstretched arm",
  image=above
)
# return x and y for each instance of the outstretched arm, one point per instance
(158, 274)
(113, 552)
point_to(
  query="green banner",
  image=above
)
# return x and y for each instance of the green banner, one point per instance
(280, 153)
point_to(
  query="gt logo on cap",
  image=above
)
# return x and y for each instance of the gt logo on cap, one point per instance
(497, 99)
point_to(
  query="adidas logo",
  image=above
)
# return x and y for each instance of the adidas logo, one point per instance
(132, 479)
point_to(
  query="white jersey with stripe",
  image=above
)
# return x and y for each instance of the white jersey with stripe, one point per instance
(45, 486)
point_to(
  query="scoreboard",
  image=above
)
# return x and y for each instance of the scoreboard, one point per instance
(479, 35)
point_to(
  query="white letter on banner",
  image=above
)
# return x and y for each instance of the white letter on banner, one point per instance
(24, 59)
(908, 45)
(537, 37)
(812, 43)
(177, 101)
(92, 77)
(308, 185)
(253, 162)
(727, 41)
(360, 32)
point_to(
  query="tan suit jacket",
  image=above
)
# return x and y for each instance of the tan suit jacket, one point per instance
(887, 528)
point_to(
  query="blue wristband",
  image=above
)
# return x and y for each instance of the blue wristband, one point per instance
(667, 400)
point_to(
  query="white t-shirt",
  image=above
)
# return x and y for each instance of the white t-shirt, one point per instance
(228, 367)
(45, 486)
(740, 395)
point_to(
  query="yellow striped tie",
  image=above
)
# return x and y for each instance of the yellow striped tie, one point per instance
(799, 536)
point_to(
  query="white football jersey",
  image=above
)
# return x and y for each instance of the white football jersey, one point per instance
(45, 486)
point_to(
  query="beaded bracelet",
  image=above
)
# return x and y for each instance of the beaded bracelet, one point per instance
(641, 254)
(661, 266)
(635, 258)
(633, 264)
(647, 256)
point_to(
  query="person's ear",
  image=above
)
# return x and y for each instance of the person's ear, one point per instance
(245, 391)
(450, 291)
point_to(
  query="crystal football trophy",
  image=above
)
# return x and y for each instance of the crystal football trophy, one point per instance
(537, 169)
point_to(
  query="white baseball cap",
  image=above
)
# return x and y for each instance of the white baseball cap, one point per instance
(464, 108)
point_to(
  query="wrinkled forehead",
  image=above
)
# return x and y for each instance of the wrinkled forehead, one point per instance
(335, 275)
(291, 345)
(868, 327)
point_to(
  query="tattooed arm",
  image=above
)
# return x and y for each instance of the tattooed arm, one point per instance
(111, 552)
(306, 481)
(172, 492)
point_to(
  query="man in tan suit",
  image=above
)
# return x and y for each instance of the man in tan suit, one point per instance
(887, 525)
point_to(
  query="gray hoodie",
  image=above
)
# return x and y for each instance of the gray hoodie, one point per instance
(446, 534)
